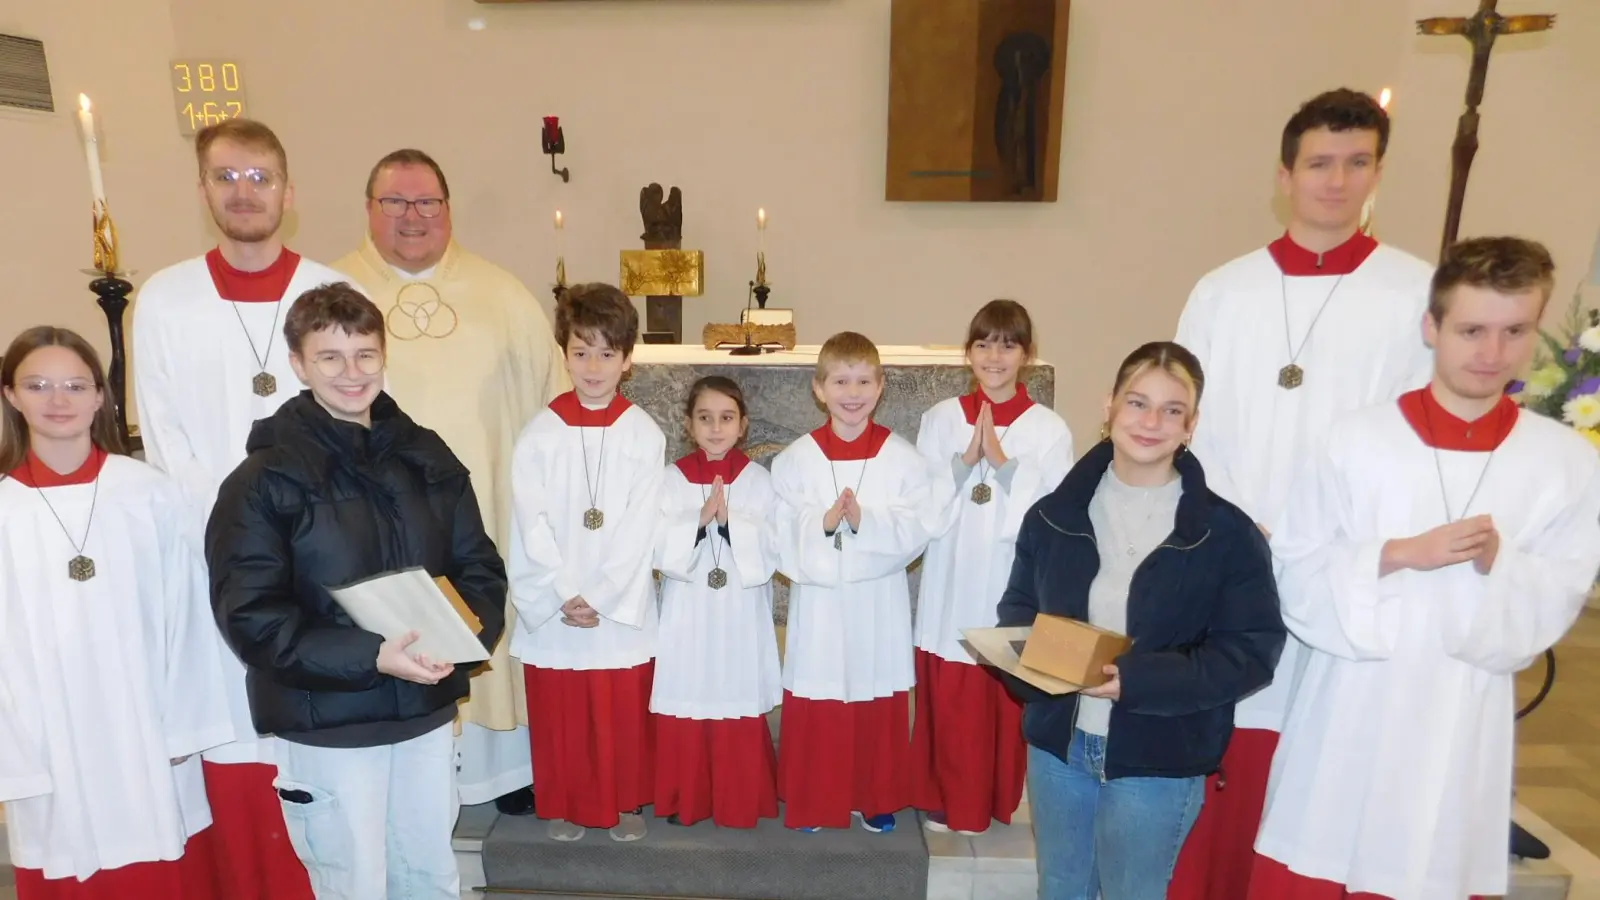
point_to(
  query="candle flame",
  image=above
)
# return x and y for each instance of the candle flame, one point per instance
(558, 219)
(1384, 97)
(83, 102)
(761, 218)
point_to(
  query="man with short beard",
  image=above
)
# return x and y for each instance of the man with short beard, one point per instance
(209, 360)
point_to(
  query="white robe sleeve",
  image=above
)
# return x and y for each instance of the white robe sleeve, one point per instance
(1035, 477)
(1332, 597)
(24, 765)
(194, 711)
(944, 490)
(805, 551)
(541, 579)
(677, 553)
(1194, 333)
(1532, 596)
(619, 589)
(166, 446)
(893, 533)
(753, 539)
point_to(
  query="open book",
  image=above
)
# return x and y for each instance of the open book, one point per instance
(998, 647)
(396, 603)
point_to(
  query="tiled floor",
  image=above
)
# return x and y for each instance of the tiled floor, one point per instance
(1558, 745)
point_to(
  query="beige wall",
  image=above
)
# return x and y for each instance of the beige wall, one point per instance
(1172, 118)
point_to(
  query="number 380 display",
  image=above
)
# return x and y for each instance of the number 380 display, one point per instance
(206, 92)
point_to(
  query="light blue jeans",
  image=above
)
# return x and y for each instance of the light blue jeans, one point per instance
(1112, 840)
(376, 822)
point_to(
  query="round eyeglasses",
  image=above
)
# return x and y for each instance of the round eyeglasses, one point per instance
(395, 207)
(332, 365)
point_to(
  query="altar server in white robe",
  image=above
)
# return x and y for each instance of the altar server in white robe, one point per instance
(586, 498)
(110, 683)
(208, 361)
(1318, 323)
(1438, 545)
(717, 667)
(851, 514)
(992, 453)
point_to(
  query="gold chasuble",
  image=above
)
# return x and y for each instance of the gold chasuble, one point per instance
(470, 355)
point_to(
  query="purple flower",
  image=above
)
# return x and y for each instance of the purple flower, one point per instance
(1586, 386)
(1571, 356)
(1516, 387)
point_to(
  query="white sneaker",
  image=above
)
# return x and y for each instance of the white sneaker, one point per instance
(566, 832)
(629, 827)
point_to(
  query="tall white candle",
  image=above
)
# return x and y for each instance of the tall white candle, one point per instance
(561, 249)
(1384, 97)
(91, 147)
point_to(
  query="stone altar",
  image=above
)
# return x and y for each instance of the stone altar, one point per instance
(777, 388)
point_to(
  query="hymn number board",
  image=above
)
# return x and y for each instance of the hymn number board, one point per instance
(206, 92)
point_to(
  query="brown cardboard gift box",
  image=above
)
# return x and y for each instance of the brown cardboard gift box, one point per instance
(1056, 654)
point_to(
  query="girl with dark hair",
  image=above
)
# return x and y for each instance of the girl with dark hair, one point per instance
(717, 663)
(110, 680)
(993, 453)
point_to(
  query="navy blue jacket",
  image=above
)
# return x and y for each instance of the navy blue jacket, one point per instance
(1202, 614)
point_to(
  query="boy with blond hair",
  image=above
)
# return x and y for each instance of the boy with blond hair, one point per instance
(851, 497)
(586, 478)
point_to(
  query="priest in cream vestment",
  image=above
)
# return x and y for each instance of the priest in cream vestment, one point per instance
(471, 356)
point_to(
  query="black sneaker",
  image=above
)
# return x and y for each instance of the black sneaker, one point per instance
(516, 803)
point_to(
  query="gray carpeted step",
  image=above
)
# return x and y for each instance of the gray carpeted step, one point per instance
(769, 862)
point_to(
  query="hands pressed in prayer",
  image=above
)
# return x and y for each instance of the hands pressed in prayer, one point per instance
(991, 441)
(579, 614)
(394, 660)
(830, 521)
(1474, 539)
(852, 509)
(716, 505)
(975, 446)
(1111, 690)
(720, 494)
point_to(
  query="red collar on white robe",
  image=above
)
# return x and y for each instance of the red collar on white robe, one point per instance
(35, 474)
(699, 470)
(1004, 413)
(265, 286)
(1441, 429)
(1298, 262)
(574, 413)
(838, 449)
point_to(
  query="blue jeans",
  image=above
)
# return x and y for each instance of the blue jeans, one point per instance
(1115, 840)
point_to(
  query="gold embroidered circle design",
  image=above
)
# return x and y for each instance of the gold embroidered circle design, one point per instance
(409, 320)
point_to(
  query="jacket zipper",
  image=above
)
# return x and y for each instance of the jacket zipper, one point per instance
(1105, 743)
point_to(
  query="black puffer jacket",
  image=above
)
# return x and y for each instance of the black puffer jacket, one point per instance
(320, 503)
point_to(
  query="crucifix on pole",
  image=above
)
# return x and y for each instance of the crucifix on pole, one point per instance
(1481, 29)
